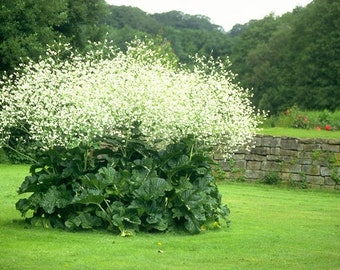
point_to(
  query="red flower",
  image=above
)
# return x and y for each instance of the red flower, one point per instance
(328, 127)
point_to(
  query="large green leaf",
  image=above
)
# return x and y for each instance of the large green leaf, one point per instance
(157, 221)
(179, 161)
(89, 196)
(94, 181)
(55, 197)
(192, 225)
(83, 220)
(123, 217)
(152, 189)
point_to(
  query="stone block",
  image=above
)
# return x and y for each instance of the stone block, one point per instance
(254, 165)
(315, 180)
(337, 159)
(239, 156)
(296, 177)
(255, 157)
(263, 151)
(254, 174)
(258, 141)
(304, 158)
(291, 153)
(271, 166)
(329, 181)
(293, 168)
(331, 148)
(285, 176)
(275, 151)
(271, 141)
(274, 158)
(240, 164)
(325, 171)
(218, 156)
(311, 169)
(311, 147)
(289, 144)
(307, 141)
(225, 165)
(334, 141)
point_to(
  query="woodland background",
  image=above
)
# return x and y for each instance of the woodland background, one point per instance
(287, 60)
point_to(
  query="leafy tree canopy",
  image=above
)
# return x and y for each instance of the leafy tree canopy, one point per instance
(285, 60)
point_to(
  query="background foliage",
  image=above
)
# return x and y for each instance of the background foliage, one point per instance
(287, 60)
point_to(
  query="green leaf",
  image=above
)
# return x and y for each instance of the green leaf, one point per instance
(178, 213)
(157, 221)
(83, 220)
(192, 225)
(152, 188)
(55, 197)
(23, 205)
(29, 184)
(123, 217)
(109, 175)
(93, 181)
(180, 161)
(89, 196)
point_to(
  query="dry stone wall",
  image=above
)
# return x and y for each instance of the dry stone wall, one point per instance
(303, 162)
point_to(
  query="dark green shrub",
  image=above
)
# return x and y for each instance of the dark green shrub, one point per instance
(124, 186)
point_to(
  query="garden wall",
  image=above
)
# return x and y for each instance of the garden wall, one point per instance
(299, 162)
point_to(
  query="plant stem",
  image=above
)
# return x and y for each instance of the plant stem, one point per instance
(22, 154)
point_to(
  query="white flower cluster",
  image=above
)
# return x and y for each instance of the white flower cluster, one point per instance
(65, 102)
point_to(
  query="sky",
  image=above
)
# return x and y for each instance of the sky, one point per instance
(225, 13)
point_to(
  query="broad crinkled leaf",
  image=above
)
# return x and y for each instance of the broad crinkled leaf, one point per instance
(192, 225)
(88, 196)
(152, 188)
(83, 220)
(157, 221)
(55, 197)
(179, 161)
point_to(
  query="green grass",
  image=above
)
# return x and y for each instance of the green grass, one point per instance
(271, 228)
(300, 133)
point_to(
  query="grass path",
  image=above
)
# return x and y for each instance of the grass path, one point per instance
(271, 228)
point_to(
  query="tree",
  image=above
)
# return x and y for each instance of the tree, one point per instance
(292, 59)
(27, 26)
(82, 23)
(316, 58)
(122, 16)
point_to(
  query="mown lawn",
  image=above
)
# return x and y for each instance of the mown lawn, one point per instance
(271, 228)
(300, 133)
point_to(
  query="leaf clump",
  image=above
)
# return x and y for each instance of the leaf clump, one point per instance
(124, 189)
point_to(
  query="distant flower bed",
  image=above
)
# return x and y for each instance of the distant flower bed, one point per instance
(297, 118)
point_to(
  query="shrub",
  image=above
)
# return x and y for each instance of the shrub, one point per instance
(64, 107)
(65, 102)
(124, 189)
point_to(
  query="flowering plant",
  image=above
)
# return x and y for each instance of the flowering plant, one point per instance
(125, 137)
(301, 122)
(328, 127)
(65, 102)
